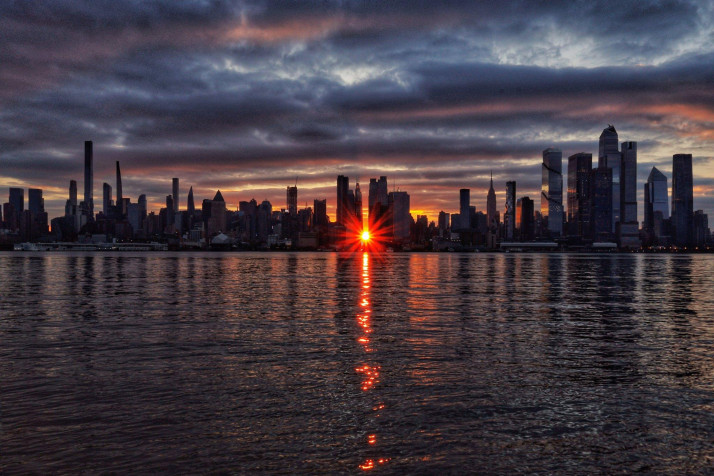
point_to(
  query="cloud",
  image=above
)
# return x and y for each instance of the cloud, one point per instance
(244, 96)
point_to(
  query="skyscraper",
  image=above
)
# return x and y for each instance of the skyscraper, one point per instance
(628, 228)
(320, 221)
(73, 192)
(551, 195)
(343, 186)
(491, 208)
(601, 204)
(35, 202)
(175, 193)
(17, 200)
(292, 194)
(579, 167)
(358, 208)
(527, 219)
(190, 205)
(656, 203)
(107, 198)
(401, 219)
(610, 156)
(88, 180)
(509, 217)
(682, 200)
(378, 202)
(464, 204)
(120, 197)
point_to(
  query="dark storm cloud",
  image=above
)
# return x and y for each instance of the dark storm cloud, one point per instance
(248, 94)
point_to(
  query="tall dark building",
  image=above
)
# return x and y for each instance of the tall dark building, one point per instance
(320, 221)
(609, 156)
(17, 200)
(551, 196)
(491, 208)
(682, 200)
(343, 186)
(190, 205)
(579, 167)
(464, 204)
(628, 234)
(73, 192)
(292, 200)
(175, 194)
(527, 219)
(106, 199)
(35, 202)
(358, 208)
(601, 204)
(170, 215)
(378, 202)
(656, 204)
(89, 179)
(120, 197)
(509, 217)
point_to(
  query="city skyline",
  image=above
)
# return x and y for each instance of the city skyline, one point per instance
(244, 98)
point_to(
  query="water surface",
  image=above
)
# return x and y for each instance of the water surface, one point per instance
(345, 363)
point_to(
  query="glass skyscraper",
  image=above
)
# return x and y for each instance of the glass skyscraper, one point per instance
(682, 199)
(551, 196)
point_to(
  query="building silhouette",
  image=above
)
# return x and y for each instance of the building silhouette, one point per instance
(579, 172)
(120, 205)
(609, 156)
(628, 233)
(292, 200)
(88, 210)
(175, 194)
(682, 200)
(343, 186)
(551, 196)
(401, 219)
(656, 205)
(464, 205)
(509, 216)
(107, 202)
(601, 203)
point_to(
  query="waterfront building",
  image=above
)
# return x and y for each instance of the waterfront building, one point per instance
(601, 192)
(527, 221)
(509, 216)
(656, 203)
(401, 219)
(443, 222)
(190, 205)
(120, 205)
(579, 172)
(682, 200)
(378, 203)
(491, 207)
(88, 210)
(464, 204)
(17, 200)
(551, 196)
(107, 202)
(628, 234)
(292, 200)
(358, 208)
(343, 186)
(609, 156)
(175, 194)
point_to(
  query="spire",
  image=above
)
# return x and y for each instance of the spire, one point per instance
(491, 179)
(218, 197)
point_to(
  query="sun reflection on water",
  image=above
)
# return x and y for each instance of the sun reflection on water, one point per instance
(369, 370)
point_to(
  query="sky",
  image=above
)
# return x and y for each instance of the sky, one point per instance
(248, 97)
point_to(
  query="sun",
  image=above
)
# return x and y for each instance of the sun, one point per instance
(365, 236)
